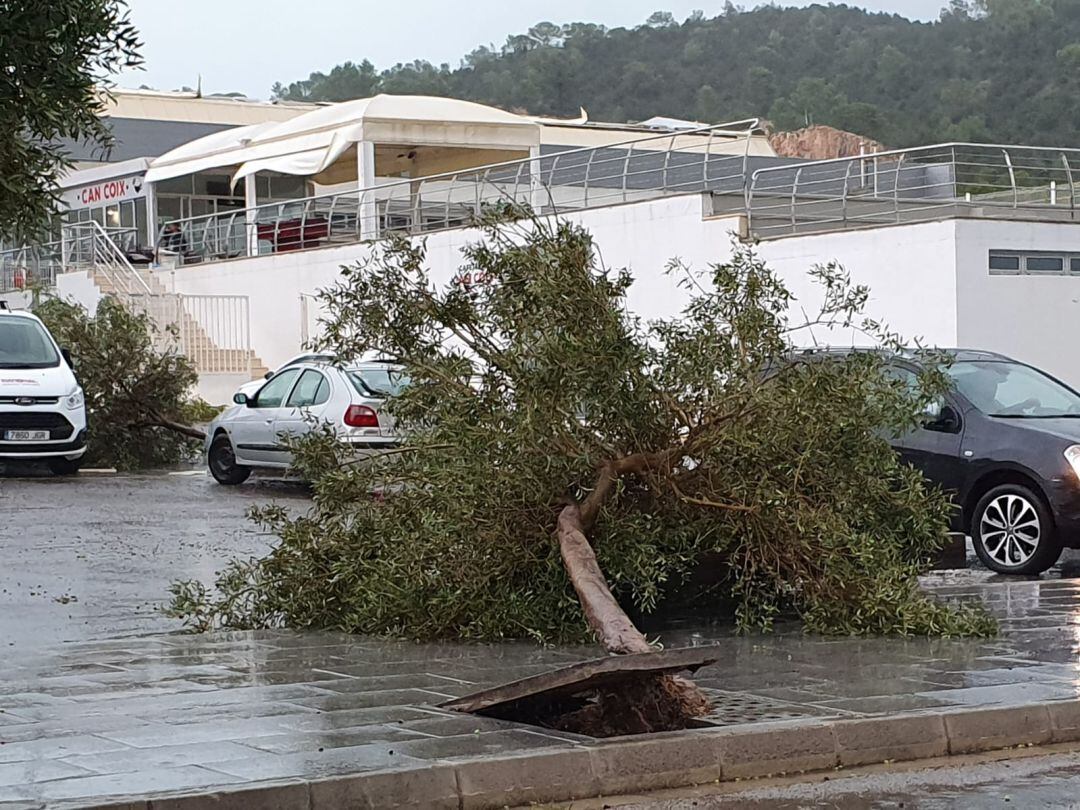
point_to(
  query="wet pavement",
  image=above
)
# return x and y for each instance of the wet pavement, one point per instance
(1032, 782)
(92, 556)
(98, 699)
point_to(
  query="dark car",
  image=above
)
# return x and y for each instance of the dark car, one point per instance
(1006, 443)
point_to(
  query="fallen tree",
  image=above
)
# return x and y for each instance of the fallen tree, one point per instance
(564, 460)
(138, 402)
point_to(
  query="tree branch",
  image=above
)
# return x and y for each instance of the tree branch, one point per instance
(168, 424)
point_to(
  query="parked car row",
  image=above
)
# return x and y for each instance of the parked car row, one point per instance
(1005, 440)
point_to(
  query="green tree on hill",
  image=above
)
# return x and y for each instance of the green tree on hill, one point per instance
(1002, 70)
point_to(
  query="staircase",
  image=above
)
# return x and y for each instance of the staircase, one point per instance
(212, 331)
(179, 327)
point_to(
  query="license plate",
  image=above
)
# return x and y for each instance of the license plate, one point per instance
(26, 435)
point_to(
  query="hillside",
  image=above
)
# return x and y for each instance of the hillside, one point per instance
(989, 70)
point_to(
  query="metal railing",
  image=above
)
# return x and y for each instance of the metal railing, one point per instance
(89, 245)
(212, 331)
(912, 185)
(81, 246)
(640, 169)
(30, 266)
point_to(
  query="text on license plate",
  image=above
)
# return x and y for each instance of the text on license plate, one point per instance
(26, 435)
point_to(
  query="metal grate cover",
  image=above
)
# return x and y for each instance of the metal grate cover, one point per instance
(737, 708)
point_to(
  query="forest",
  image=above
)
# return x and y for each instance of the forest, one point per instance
(1005, 71)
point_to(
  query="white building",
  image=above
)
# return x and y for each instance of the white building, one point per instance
(960, 244)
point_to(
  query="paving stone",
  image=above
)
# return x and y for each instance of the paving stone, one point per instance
(871, 740)
(433, 787)
(364, 700)
(316, 764)
(279, 795)
(751, 752)
(100, 787)
(163, 756)
(1065, 720)
(520, 780)
(453, 725)
(309, 741)
(59, 747)
(198, 732)
(352, 718)
(486, 743)
(37, 771)
(988, 729)
(662, 761)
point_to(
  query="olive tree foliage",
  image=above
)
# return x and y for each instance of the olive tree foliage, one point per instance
(539, 406)
(55, 59)
(138, 402)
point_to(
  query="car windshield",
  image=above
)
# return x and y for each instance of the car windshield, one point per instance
(385, 382)
(24, 343)
(1001, 388)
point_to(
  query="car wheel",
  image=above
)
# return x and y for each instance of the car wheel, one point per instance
(64, 466)
(222, 463)
(1013, 531)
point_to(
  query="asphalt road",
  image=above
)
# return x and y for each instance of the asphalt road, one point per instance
(92, 556)
(1051, 781)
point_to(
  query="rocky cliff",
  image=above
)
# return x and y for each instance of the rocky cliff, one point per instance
(820, 142)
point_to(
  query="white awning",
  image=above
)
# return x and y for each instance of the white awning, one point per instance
(208, 152)
(308, 144)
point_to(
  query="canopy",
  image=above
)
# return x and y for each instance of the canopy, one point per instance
(309, 144)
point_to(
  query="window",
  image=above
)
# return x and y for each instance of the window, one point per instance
(382, 382)
(1013, 262)
(312, 389)
(25, 344)
(1044, 264)
(1005, 263)
(273, 393)
(1005, 389)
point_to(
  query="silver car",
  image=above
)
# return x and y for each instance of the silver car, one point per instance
(295, 401)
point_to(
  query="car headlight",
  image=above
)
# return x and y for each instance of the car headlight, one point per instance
(75, 400)
(1072, 455)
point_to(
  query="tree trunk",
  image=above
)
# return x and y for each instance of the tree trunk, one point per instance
(605, 617)
(608, 621)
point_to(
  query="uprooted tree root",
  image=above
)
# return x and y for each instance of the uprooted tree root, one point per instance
(657, 703)
(640, 703)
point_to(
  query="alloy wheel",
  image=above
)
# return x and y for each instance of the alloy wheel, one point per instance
(1010, 530)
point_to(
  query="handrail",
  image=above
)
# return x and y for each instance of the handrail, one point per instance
(724, 128)
(460, 196)
(928, 182)
(908, 150)
(106, 256)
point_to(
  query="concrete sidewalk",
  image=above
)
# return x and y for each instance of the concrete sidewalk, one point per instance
(326, 720)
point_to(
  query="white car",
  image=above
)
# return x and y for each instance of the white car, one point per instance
(296, 400)
(42, 413)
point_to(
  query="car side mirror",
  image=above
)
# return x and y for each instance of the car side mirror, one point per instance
(241, 398)
(268, 375)
(947, 420)
(65, 352)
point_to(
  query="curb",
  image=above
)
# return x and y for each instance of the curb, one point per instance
(624, 765)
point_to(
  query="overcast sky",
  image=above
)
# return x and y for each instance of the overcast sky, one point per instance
(247, 45)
